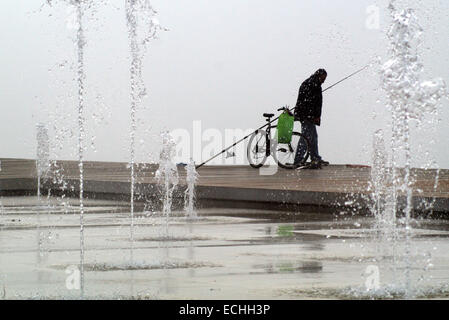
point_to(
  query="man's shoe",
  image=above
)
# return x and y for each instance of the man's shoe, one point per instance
(302, 165)
(298, 165)
(324, 163)
(315, 165)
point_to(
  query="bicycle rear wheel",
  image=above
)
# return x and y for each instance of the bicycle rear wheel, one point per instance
(257, 149)
(285, 154)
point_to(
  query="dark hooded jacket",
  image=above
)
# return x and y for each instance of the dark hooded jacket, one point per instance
(310, 100)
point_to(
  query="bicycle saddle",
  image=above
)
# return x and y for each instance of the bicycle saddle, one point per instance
(268, 115)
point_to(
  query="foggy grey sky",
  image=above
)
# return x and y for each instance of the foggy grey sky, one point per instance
(222, 62)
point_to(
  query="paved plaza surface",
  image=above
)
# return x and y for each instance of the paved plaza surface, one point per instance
(226, 253)
(229, 251)
(335, 185)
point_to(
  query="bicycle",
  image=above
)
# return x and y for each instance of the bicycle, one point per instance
(262, 143)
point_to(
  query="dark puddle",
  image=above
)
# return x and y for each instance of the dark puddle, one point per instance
(174, 238)
(386, 293)
(291, 267)
(143, 266)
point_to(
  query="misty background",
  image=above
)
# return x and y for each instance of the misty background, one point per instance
(223, 63)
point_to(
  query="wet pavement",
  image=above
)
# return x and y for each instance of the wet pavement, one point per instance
(224, 254)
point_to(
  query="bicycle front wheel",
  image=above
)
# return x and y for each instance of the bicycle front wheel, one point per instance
(285, 154)
(257, 149)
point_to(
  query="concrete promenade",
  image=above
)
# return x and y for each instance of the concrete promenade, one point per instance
(336, 185)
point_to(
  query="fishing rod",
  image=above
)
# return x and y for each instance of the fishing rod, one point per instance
(270, 122)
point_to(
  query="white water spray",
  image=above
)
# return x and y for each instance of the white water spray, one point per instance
(167, 176)
(409, 99)
(379, 186)
(80, 43)
(189, 196)
(142, 27)
(79, 10)
(42, 154)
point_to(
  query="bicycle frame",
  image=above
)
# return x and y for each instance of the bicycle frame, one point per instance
(267, 138)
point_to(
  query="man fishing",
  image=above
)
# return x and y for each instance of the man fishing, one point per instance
(308, 112)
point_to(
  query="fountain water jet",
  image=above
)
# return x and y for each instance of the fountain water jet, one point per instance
(378, 174)
(141, 28)
(167, 176)
(43, 154)
(189, 196)
(79, 7)
(80, 80)
(409, 99)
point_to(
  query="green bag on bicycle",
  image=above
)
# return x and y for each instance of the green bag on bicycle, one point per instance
(285, 127)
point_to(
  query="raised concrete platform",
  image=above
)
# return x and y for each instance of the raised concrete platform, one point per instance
(339, 185)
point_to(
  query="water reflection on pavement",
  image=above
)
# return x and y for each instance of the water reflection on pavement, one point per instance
(224, 254)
